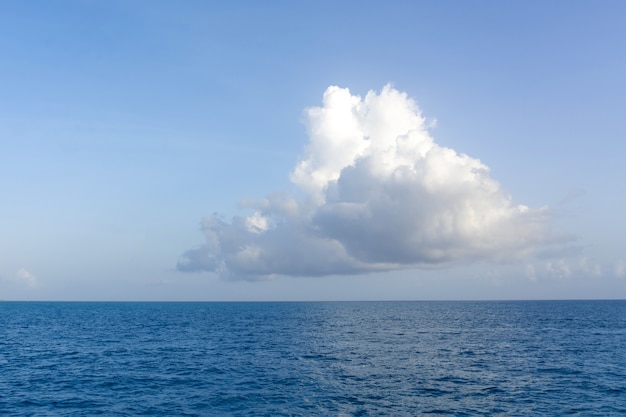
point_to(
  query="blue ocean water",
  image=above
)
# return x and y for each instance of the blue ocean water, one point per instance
(293, 359)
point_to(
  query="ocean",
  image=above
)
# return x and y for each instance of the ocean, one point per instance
(521, 358)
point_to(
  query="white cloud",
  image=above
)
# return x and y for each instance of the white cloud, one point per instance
(531, 273)
(379, 194)
(24, 277)
(619, 268)
(559, 269)
(589, 267)
(566, 267)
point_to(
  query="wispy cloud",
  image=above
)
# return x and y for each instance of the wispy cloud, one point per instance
(378, 194)
(572, 195)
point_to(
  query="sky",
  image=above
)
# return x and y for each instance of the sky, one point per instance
(299, 150)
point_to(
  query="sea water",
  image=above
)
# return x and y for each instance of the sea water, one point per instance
(327, 358)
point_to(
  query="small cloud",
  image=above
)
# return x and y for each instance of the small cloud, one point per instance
(619, 268)
(559, 269)
(567, 267)
(531, 273)
(24, 277)
(589, 267)
(377, 193)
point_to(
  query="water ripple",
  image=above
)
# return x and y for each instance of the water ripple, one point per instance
(273, 359)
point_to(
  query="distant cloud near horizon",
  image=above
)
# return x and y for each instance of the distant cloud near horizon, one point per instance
(25, 277)
(378, 194)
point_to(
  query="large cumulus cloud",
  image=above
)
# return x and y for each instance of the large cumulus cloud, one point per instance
(378, 194)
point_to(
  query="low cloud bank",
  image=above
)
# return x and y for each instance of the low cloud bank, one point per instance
(378, 194)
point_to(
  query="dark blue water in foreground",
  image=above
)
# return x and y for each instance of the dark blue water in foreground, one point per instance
(370, 358)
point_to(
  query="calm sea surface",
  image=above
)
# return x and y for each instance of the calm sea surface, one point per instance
(353, 358)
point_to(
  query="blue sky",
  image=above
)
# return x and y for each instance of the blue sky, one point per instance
(149, 150)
